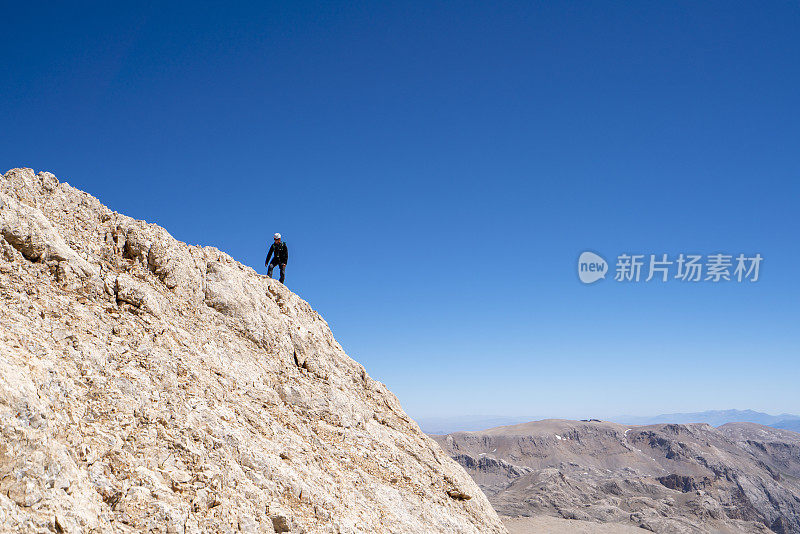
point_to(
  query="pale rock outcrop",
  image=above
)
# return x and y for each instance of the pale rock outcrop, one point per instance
(126, 289)
(150, 385)
(28, 230)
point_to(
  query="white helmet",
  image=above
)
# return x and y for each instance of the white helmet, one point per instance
(277, 235)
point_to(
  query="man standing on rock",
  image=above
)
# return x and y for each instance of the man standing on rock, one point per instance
(280, 255)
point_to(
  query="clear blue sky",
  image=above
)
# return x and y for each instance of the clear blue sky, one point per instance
(436, 168)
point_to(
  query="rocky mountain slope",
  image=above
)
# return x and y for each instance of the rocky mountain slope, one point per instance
(669, 478)
(148, 385)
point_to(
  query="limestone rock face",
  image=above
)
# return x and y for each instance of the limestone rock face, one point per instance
(28, 230)
(149, 385)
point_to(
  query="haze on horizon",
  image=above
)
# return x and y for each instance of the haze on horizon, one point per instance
(436, 173)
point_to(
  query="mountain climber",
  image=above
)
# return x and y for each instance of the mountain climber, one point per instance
(280, 255)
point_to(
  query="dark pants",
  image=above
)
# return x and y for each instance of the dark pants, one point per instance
(272, 265)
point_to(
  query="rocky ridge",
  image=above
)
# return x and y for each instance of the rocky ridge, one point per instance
(149, 385)
(667, 478)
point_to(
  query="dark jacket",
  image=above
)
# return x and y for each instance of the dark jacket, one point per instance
(280, 251)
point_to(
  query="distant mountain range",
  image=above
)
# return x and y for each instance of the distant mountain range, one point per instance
(468, 423)
(716, 418)
(788, 424)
